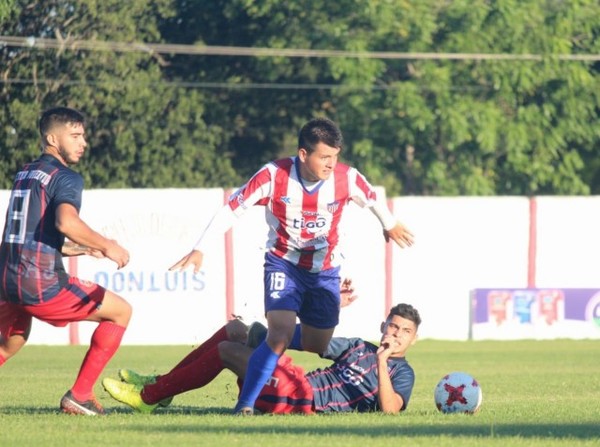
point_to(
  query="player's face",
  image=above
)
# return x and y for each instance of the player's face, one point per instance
(67, 142)
(399, 333)
(319, 164)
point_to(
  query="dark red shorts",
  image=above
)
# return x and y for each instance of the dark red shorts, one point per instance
(287, 391)
(76, 302)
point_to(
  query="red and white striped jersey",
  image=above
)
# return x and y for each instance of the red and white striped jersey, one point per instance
(303, 224)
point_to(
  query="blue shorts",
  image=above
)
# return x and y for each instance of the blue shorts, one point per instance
(315, 297)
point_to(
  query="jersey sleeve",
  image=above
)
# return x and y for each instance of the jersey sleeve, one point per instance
(67, 187)
(221, 222)
(254, 192)
(364, 195)
(403, 380)
(383, 213)
(337, 347)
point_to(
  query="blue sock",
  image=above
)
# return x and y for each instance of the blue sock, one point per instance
(296, 342)
(260, 368)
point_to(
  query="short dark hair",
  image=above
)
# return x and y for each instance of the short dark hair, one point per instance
(59, 115)
(320, 130)
(406, 311)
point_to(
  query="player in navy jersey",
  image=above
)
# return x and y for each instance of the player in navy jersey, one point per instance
(363, 377)
(304, 198)
(43, 225)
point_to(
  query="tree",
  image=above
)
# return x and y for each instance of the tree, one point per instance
(434, 127)
(479, 127)
(517, 126)
(142, 131)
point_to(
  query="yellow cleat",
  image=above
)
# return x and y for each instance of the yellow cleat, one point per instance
(129, 394)
(130, 376)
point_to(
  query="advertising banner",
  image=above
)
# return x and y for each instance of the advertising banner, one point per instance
(535, 313)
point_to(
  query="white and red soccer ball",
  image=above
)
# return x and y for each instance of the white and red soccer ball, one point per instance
(458, 392)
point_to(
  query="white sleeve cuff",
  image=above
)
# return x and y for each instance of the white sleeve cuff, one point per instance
(222, 221)
(383, 213)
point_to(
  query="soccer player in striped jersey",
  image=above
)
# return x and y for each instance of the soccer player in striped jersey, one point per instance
(43, 211)
(304, 197)
(362, 377)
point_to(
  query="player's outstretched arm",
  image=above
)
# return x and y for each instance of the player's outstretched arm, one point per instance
(400, 235)
(75, 229)
(70, 248)
(193, 258)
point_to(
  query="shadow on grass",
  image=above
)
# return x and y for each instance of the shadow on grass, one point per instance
(174, 411)
(305, 425)
(549, 431)
(31, 411)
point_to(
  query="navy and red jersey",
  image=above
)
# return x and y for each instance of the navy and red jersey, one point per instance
(351, 383)
(31, 263)
(303, 224)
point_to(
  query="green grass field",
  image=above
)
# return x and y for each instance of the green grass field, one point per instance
(535, 393)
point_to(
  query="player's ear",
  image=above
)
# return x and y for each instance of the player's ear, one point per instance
(50, 139)
(302, 154)
(382, 327)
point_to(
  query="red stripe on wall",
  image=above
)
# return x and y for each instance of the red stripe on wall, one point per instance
(532, 255)
(389, 261)
(73, 327)
(229, 271)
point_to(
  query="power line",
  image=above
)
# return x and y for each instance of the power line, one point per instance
(70, 44)
(229, 86)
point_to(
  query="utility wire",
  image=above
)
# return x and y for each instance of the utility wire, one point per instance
(228, 86)
(70, 44)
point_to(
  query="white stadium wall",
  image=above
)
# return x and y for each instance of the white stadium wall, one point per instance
(468, 252)
(461, 243)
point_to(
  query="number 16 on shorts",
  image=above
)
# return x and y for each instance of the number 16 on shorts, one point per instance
(276, 284)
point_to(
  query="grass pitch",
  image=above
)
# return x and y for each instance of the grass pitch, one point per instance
(535, 393)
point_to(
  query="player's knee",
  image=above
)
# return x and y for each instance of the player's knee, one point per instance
(11, 345)
(237, 331)
(127, 311)
(121, 311)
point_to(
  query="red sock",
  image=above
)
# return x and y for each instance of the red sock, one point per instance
(185, 378)
(217, 337)
(2, 360)
(105, 342)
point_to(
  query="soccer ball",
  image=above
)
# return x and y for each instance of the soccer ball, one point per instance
(458, 392)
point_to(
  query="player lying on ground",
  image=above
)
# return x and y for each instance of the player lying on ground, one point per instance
(304, 198)
(363, 376)
(183, 377)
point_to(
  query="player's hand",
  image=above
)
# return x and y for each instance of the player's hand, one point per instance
(387, 347)
(117, 254)
(95, 253)
(400, 235)
(347, 296)
(194, 258)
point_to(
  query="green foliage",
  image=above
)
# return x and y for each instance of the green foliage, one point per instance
(6, 6)
(414, 125)
(142, 131)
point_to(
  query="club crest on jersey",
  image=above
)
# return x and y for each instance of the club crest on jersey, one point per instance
(333, 206)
